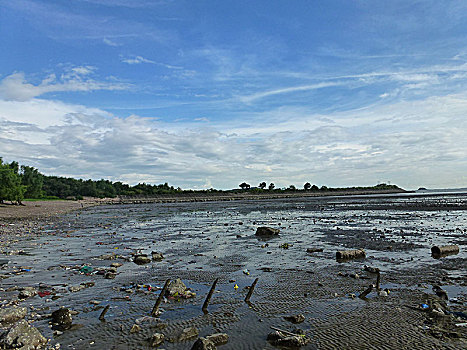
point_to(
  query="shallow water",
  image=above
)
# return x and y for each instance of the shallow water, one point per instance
(203, 241)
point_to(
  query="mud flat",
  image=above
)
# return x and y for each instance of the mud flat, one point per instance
(83, 261)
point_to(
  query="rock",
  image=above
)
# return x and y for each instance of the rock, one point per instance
(187, 333)
(12, 314)
(107, 257)
(156, 339)
(115, 264)
(136, 328)
(61, 319)
(441, 293)
(141, 259)
(23, 336)
(267, 231)
(280, 339)
(314, 250)
(203, 344)
(350, 254)
(27, 292)
(74, 289)
(371, 269)
(112, 269)
(157, 256)
(177, 288)
(94, 302)
(295, 318)
(110, 275)
(218, 338)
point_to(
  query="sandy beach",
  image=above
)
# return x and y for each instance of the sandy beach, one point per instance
(81, 256)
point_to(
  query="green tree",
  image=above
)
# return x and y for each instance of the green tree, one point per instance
(244, 186)
(262, 185)
(292, 188)
(10, 183)
(33, 180)
(271, 186)
(307, 186)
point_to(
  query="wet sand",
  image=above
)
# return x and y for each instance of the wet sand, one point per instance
(204, 241)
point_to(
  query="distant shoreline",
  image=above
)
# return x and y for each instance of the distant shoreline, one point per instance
(52, 208)
(207, 197)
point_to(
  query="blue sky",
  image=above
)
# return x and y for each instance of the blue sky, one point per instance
(207, 94)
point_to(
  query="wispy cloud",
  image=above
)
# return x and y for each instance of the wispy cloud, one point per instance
(260, 95)
(15, 86)
(140, 59)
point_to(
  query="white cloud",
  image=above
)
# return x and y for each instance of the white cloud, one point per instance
(137, 60)
(16, 88)
(397, 142)
(259, 95)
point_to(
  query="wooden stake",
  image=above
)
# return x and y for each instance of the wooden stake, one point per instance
(155, 309)
(101, 317)
(366, 292)
(250, 291)
(208, 297)
(378, 279)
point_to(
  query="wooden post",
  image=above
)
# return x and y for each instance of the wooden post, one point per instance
(155, 309)
(101, 317)
(208, 297)
(250, 291)
(378, 280)
(366, 292)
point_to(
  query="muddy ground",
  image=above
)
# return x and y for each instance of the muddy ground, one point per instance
(204, 241)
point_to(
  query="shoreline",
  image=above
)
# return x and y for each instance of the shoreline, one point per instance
(54, 208)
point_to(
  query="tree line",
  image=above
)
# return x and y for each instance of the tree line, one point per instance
(24, 182)
(263, 186)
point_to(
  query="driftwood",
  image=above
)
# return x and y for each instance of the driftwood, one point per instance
(155, 309)
(366, 292)
(102, 315)
(350, 254)
(378, 280)
(208, 298)
(250, 291)
(438, 251)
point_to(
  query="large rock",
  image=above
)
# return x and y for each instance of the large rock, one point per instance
(177, 288)
(265, 231)
(218, 338)
(141, 259)
(157, 339)
(280, 339)
(295, 318)
(186, 334)
(203, 344)
(156, 256)
(27, 292)
(12, 314)
(23, 336)
(61, 319)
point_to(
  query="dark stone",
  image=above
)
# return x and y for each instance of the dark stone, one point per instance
(218, 338)
(141, 259)
(157, 339)
(61, 319)
(295, 318)
(203, 344)
(23, 336)
(267, 231)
